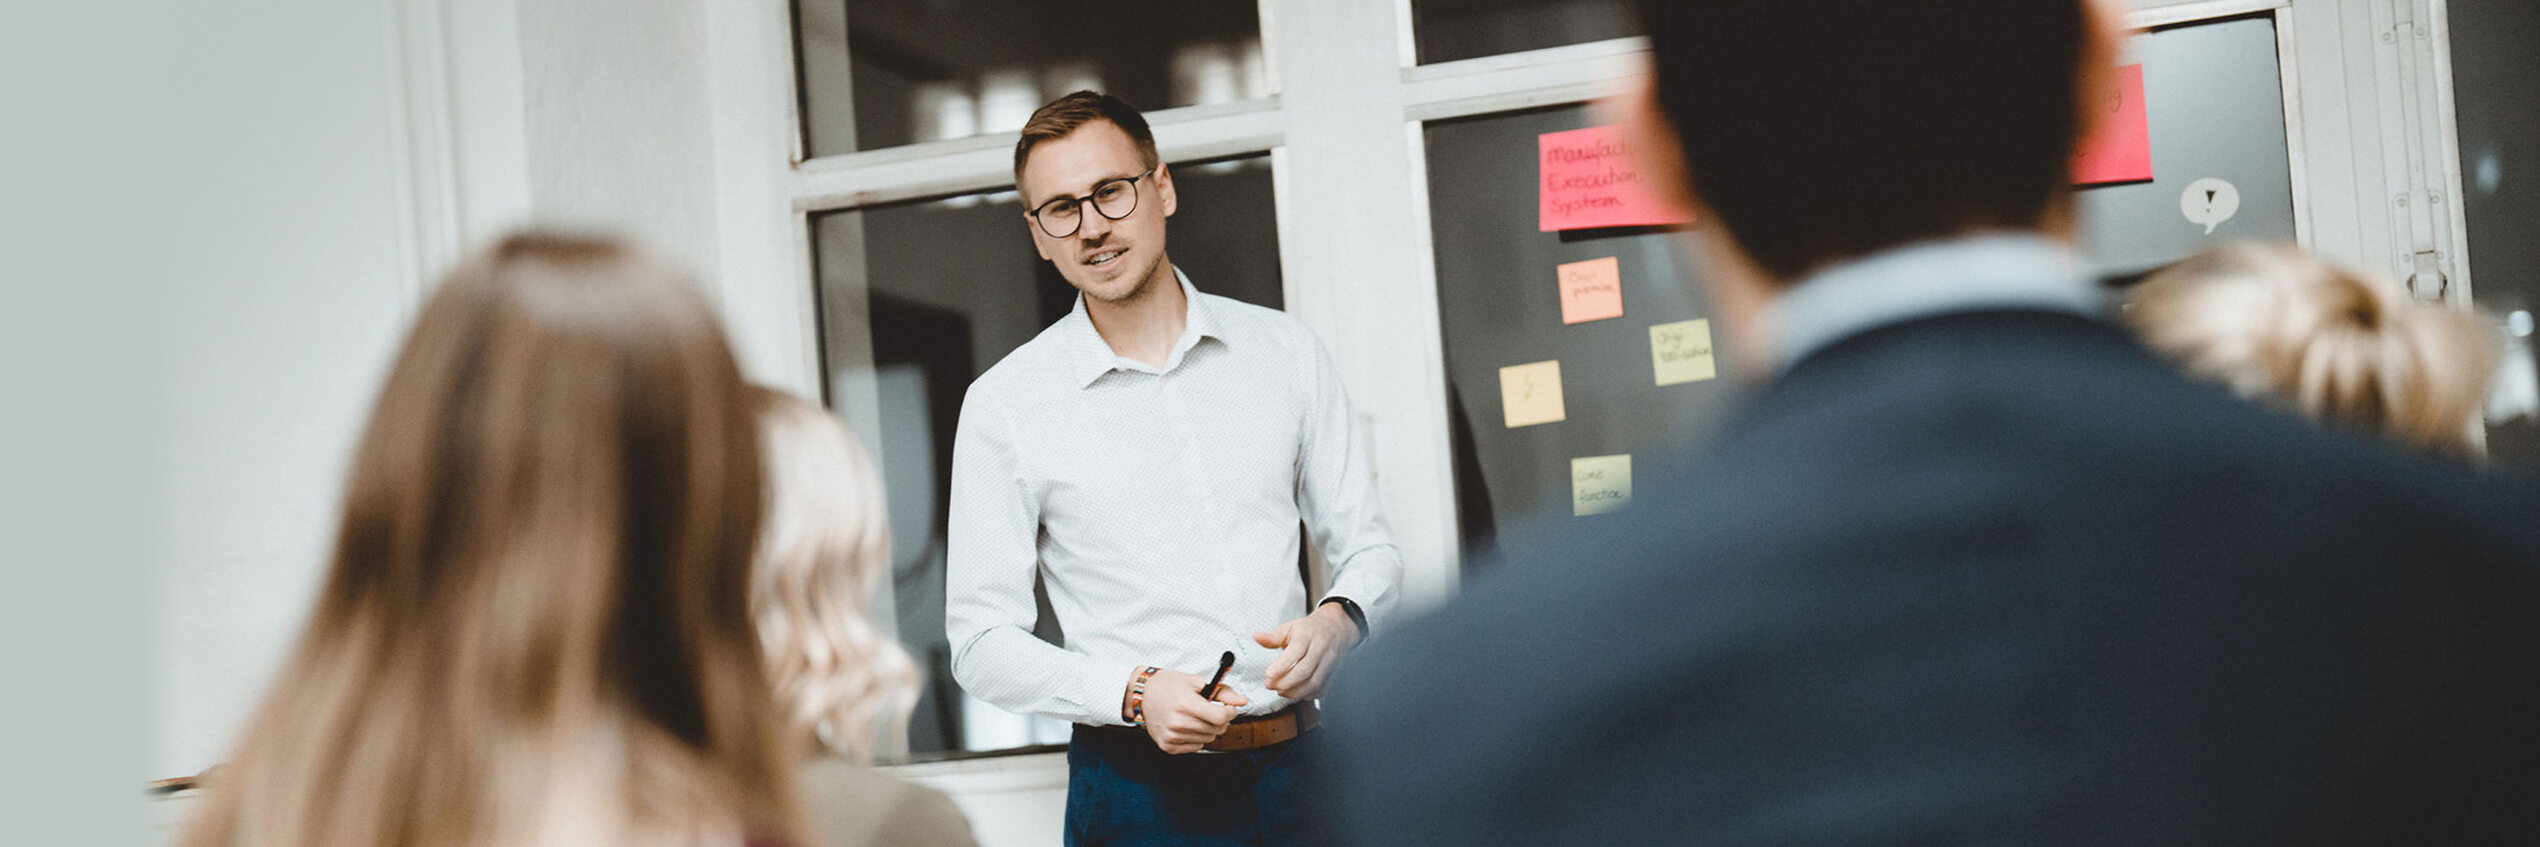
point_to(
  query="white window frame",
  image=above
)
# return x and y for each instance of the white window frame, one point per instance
(2447, 125)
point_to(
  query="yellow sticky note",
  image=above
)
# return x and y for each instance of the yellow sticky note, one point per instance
(1591, 290)
(1531, 394)
(1600, 484)
(1681, 351)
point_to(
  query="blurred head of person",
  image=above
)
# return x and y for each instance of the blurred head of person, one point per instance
(823, 551)
(2277, 325)
(1807, 132)
(536, 627)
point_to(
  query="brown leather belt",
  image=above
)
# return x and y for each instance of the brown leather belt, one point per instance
(1254, 733)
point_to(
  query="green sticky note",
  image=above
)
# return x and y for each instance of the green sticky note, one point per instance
(1600, 484)
(1681, 351)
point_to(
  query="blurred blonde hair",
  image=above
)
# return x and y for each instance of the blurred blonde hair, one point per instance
(823, 551)
(535, 630)
(2278, 325)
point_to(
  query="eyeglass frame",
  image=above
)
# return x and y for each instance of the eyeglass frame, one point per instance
(1087, 199)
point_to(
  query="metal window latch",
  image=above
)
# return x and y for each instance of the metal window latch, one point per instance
(2428, 282)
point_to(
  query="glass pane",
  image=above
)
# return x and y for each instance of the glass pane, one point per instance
(1448, 30)
(882, 73)
(2215, 108)
(938, 291)
(2214, 98)
(2496, 87)
(1500, 305)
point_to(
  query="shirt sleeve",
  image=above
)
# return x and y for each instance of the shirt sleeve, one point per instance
(992, 553)
(1336, 492)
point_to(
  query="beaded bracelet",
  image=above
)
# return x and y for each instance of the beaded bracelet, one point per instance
(1138, 695)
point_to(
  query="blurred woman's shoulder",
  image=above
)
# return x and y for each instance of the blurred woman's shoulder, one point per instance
(852, 806)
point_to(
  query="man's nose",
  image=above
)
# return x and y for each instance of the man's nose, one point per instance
(1094, 227)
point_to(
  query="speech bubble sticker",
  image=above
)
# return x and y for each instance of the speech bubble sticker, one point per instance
(2209, 201)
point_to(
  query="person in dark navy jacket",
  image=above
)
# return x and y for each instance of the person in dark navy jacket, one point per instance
(1974, 567)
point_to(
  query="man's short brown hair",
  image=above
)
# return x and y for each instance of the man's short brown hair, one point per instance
(1064, 115)
(1820, 130)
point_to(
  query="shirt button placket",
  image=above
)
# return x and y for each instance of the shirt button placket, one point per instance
(1194, 479)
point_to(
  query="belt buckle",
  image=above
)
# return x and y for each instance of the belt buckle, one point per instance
(1289, 724)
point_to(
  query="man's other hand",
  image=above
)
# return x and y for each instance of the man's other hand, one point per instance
(1178, 720)
(1310, 648)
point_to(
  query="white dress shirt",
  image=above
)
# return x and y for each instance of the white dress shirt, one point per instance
(1159, 505)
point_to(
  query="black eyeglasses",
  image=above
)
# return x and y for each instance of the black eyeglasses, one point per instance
(1063, 215)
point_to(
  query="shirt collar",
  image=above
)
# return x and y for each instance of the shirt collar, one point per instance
(1972, 273)
(1089, 357)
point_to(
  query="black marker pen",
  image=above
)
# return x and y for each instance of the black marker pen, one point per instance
(1223, 662)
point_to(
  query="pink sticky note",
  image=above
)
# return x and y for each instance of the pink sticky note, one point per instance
(2122, 151)
(1591, 181)
(1591, 290)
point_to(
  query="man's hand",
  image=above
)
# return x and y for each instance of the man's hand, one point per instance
(1178, 720)
(1313, 646)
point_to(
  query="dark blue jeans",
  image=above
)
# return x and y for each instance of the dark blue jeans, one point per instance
(1122, 791)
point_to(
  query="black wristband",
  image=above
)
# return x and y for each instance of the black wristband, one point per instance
(1355, 615)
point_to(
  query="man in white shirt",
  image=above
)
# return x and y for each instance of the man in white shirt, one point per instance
(1150, 456)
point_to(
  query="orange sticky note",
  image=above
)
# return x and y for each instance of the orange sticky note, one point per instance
(1591, 290)
(2122, 149)
(1531, 394)
(1591, 181)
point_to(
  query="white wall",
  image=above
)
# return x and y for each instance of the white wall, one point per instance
(287, 302)
(619, 134)
(356, 146)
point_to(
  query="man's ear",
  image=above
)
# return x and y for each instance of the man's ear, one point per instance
(1655, 147)
(1031, 226)
(1735, 286)
(2103, 37)
(1032, 230)
(1164, 188)
(2103, 34)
